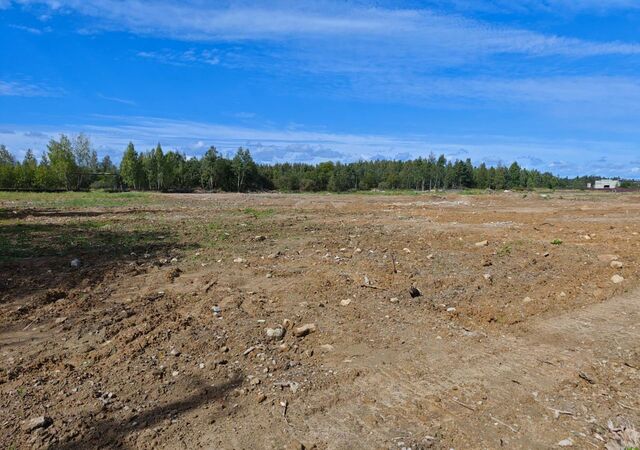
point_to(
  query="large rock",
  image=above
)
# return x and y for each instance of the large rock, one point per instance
(275, 333)
(305, 329)
(37, 422)
(617, 279)
(607, 258)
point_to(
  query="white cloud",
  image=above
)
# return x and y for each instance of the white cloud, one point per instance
(419, 31)
(122, 101)
(26, 89)
(31, 30)
(183, 58)
(592, 96)
(551, 6)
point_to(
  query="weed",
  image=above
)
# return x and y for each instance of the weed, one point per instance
(557, 242)
(259, 213)
(505, 250)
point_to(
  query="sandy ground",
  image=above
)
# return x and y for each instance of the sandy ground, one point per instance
(525, 334)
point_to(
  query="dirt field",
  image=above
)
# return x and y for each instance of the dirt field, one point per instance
(158, 338)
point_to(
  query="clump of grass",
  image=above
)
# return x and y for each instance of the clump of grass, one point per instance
(259, 213)
(505, 250)
(75, 199)
(557, 242)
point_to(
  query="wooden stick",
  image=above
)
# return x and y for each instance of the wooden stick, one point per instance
(505, 424)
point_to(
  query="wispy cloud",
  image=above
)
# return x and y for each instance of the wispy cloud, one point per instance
(551, 6)
(31, 30)
(27, 89)
(122, 101)
(594, 96)
(415, 28)
(188, 57)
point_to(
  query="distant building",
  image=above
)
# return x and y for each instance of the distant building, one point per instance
(606, 184)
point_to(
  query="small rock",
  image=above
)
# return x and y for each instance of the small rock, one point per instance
(566, 443)
(406, 250)
(482, 243)
(414, 292)
(488, 277)
(345, 302)
(269, 275)
(254, 381)
(275, 333)
(75, 263)
(60, 320)
(607, 258)
(451, 309)
(304, 329)
(616, 265)
(175, 352)
(617, 279)
(260, 238)
(37, 422)
(527, 300)
(175, 373)
(260, 398)
(295, 445)
(174, 260)
(394, 300)
(239, 260)
(216, 310)
(327, 347)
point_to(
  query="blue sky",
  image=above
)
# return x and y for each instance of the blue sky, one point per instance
(553, 84)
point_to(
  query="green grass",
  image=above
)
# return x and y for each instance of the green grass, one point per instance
(27, 240)
(73, 199)
(259, 213)
(505, 250)
(475, 192)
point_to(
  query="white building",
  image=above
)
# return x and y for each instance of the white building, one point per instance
(606, 184)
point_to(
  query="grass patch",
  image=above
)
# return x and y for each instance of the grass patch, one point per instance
(259, 213)
(74, 199)
(28, 240)
(505, 250)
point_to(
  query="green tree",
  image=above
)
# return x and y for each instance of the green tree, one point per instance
(7, 168)
(62, 162)
(243, 168)
(131, 169)
(513, 176)
(27, 171)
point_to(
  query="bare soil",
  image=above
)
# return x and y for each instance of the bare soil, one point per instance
(158, 338)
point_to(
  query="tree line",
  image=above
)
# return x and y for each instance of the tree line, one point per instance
(70, 163)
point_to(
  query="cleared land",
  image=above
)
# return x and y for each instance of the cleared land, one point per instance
(158, 338)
